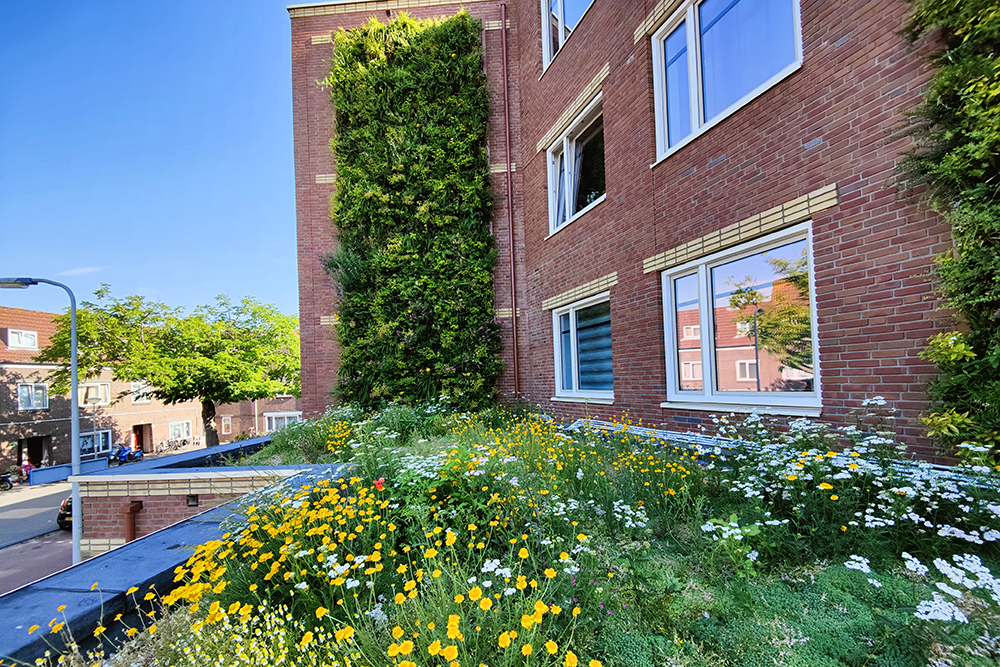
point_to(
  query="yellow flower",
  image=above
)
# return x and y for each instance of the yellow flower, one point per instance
(32, 629)
(581, 537)
(551, 647)
(576, 611)
(400, 598)
(393, 650)
(550, 573)
(449, 652)
(486, 604)
(527, 620)
(459, 599)
(397, 632)
(564, 556)
(595, 663)
(504, 640)
(825, 486)
(835, 497)
(843, 529)
(320, 611)
(406, 647)
(526, 649)
(253, 587)
(475, 593)
(57, 627)
(523, 553)
(430, 553)
(540, 607)
(570, 660)
(131, 590)
(152, 629)
(93, 586)
(434, 648)
(344, 633)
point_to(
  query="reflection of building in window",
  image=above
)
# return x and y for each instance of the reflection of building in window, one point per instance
(95, 393)
(564, 15)
(275, 420)
(95, 443)
(32, 397)
(20, 339)
(715, 56)
(227, 425)
(180, 430)
(746, 370)
(770, 277)
(576, 168)
(140, 392)
(583, 349)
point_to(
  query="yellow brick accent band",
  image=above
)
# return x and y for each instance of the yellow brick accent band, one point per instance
(501, 167)
(494, 25)
(662, 10)
(505, 313)
(582, 292)
(330, 8)
(322, 39)
(789, 213)
(328, 320)
(325, 178)
(574, 109)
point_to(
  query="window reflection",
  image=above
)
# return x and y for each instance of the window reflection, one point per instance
(688, 333)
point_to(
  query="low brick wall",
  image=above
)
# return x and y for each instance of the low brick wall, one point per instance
(167, 498)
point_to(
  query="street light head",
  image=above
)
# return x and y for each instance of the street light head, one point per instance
(17, 283)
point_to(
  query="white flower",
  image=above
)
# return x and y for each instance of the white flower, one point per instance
(939, 609)
(753, 555)
(302, 586)
(858, 563)
(875, 582)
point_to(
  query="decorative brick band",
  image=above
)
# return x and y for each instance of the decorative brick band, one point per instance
(329, 8)
(505, 313)
(322, 39)
(494, 25)
(193, 484)
(581, 292)
(573, 110)
(328, 320)
(786, 214)
(501, 167)
(326, 178)
(661, 11)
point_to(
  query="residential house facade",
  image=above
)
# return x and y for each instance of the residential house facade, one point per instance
(705, 211)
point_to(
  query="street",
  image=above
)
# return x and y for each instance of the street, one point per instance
(29, 561)
(30, 511)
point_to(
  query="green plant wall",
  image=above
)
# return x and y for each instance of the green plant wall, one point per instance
(412, 206)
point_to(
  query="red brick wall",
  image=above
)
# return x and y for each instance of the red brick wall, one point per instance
(835, 120)
(107, 517)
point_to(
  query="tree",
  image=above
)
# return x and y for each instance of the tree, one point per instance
(224, 353)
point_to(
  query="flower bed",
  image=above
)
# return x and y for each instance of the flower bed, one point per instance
(502, 539)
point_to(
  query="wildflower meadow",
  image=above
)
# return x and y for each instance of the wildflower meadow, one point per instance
(427, 537)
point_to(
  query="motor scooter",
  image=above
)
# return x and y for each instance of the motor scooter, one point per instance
(126, 455)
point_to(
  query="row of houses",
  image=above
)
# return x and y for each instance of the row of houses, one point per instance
(35, 424)
(698, 211)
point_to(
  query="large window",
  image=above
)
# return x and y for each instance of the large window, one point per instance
(576, 168)
(20, 339)
(179, 430)
(563, 15)
(582, 334)
(714, 56)
(275, 420)
(140, 392)
(753, 310)
(95, 443)
(95, 393)
(32, 397)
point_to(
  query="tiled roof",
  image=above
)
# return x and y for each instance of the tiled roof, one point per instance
(29, 320)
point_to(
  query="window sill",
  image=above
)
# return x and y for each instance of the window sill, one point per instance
(801, 411)
(32, 409)
(579, 214)
(583, 399)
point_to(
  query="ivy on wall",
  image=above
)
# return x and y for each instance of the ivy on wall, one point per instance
(957, 156)
(412, 204)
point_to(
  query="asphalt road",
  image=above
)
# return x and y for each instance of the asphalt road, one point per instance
(29, 561)
(30, 511)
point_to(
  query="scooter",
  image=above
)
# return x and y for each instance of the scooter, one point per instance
(126, 455)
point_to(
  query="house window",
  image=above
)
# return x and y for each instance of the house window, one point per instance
(19, 339)
(582, 334)
(713, 56)
(275, 420)
(692, 332)
(227, 425)
(772, 366)
(180, 430)
(95, 393)
(140, 392)
(576, 168)
(95, 443)
(32, 397)
(564, 16)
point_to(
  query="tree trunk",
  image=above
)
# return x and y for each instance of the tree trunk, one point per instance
(208, 420)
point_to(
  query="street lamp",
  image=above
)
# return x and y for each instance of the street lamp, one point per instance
(74, 409)
(756, 347)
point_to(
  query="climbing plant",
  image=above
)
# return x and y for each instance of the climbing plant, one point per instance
(412, 204)
(957, 156)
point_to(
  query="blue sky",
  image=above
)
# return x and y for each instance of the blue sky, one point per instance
(147, 145)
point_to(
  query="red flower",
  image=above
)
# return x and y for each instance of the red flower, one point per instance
(380, 483)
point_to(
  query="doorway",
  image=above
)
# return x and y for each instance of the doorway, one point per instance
(142, 437)
(31, 450)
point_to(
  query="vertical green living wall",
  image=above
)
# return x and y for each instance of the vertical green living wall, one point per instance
(412, 203)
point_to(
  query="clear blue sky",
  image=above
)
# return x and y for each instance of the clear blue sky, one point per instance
(148, 145)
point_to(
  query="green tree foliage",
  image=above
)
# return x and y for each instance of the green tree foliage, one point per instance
(412, 203)
(224, 353)
(957, 156)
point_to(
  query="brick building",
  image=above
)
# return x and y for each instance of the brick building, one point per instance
(676, 166)
(35, 425)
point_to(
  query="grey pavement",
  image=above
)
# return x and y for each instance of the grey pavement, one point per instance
(29, 561)
(30, 511)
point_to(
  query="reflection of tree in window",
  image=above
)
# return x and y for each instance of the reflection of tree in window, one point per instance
(777, 283)
(589, 184)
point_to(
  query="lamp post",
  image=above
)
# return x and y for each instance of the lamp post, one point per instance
(74, 402)
(756, 348)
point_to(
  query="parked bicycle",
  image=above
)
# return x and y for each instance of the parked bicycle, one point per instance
(170, 445)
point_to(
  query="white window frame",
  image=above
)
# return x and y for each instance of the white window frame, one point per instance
(140, 393)
(691, 331)
(743, 370)
(709, 397)
(687, 13)
(103, 389)
(584, 395)
(102, 442)
(20, 345)
(271, 417)
(547, 54)
(170, 429)
(566, 146)
(688, 368)
(34, 386)
(227, 424)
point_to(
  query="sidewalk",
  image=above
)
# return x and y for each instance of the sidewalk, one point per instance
(30, 511)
